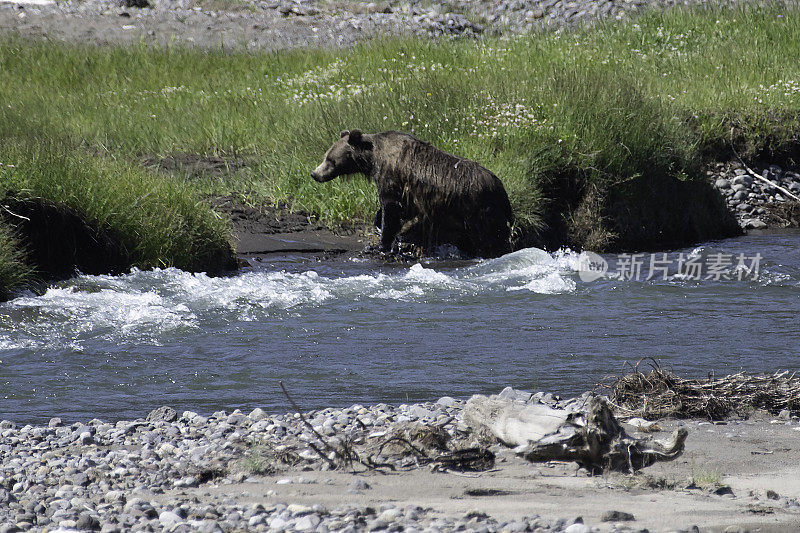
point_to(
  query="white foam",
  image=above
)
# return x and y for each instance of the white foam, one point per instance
(427, 276)
(549, 283)
(149, 306)
(531, 269)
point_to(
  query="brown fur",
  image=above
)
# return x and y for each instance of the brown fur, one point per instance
(441, 198)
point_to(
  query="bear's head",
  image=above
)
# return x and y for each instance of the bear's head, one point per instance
(348, 155)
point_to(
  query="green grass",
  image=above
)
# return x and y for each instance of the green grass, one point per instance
(158, 221)
(14, 271)
(706, 479)
(653, 98)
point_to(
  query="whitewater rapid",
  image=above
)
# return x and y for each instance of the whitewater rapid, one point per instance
(144, 306)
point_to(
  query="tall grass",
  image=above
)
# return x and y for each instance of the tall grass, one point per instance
(614, 100)
(14, 270)
(654, 96)
(159, 221)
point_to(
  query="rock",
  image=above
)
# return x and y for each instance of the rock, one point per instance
(358, 485)
(515, 395)
(772, 495)
(141, 4)
(169, 519)
(115, 496)
(446, 401)
(189, 481)
(724, 490)
(256, 520)
(299, 510)
(722, 183)
(307, 522)
(164, 413)
(616, 516)
(87, 522)
(278, 523)
(753, 223)
(235, 419)
(257, 414)
(80, 479)
(421, 412)
(390, 515)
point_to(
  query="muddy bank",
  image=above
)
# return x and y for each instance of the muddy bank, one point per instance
(644, 213)
(60, 241)
(268, 230)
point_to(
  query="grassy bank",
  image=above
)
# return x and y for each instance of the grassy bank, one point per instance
(63, 209)
(585, 128)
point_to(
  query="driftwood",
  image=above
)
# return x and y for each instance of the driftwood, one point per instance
(428, 445)
(406, 445)
(758, 176)
(660, 393)
(590, 436)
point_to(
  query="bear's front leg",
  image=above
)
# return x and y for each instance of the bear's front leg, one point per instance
(390, 224)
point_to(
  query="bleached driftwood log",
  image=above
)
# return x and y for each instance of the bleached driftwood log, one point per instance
(590, 436)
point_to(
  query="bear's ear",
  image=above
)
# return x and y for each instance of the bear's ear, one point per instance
(355, 136)
(344, 133)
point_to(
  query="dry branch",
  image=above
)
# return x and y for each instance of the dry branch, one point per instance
(344, 453)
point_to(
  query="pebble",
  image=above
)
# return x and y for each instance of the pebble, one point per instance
(109, 483)
(166, 451)
(322, 23)
(750, 200)
(616, 516)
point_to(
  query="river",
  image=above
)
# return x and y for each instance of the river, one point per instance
(350, 330)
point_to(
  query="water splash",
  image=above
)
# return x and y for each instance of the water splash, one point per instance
(150, 306)
(145, 306)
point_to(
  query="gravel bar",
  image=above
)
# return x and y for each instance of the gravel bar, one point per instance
(108, 476)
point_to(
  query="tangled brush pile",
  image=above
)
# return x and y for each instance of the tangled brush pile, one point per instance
(660, 393)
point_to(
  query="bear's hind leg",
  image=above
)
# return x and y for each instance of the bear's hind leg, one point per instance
(391, 224)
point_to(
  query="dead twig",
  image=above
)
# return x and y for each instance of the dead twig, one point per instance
(314, 431)
(346, 454)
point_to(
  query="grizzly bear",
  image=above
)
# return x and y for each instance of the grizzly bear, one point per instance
(427, 197)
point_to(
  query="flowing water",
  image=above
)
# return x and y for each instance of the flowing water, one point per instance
(353, 331)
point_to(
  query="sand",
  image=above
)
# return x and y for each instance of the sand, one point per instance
(750, 457)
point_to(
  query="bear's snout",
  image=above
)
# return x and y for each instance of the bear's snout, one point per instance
(323, 173)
